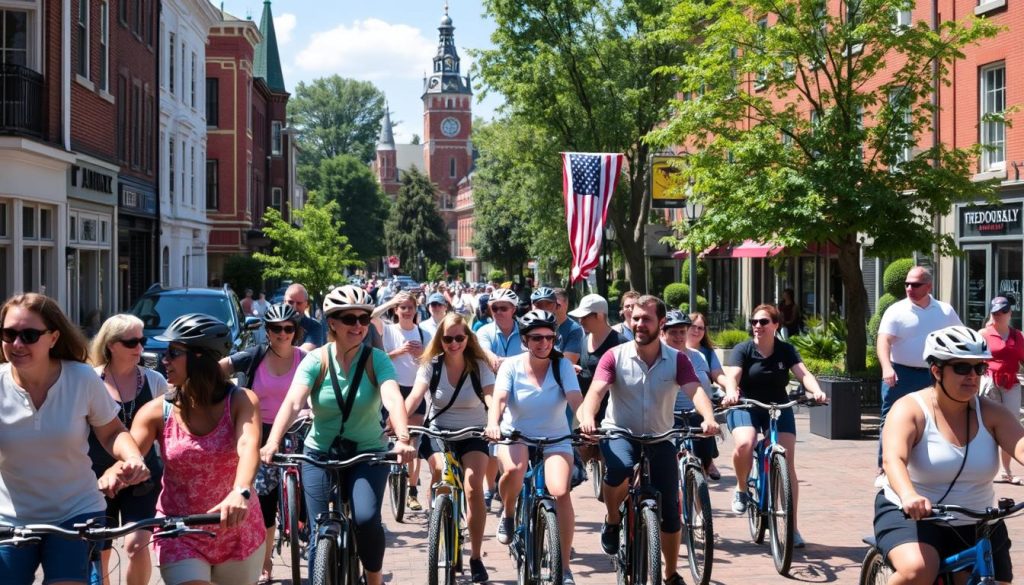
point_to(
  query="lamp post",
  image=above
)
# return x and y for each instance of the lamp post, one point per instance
(693, 211)
(609, 237)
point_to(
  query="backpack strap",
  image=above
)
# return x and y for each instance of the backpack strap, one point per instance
(435, 381)
(257, 358)
(324, 358)
(353, 389)
(167, 407)
(556, 368)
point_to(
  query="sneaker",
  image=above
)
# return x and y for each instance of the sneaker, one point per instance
(412, 503)
(567, 577)
(477, 571)
(609, 538)
(505, 528)
(739, 502)
(798, 540)
(675, 579)
(488, 498)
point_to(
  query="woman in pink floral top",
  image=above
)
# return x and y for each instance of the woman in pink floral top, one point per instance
(209, 434)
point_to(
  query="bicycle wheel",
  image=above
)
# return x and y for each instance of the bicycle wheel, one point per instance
(596, 471)
(648, 549)
(398, 483)
(755, 520)
(547, 549)
(874, 570)
(780, 511)
(325, 568)
(441, 543)
(698, 529)
(290, 521)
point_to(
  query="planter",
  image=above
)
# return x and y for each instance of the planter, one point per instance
(840, 418)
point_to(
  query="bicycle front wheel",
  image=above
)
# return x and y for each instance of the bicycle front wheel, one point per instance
(290, 521)
(874, 570)
(441, 543)
(547, 549)
(325, 568)
(780, 512)
(398, 484)
(755, 520)
(698, 529)
(647, 559)
(596, 470)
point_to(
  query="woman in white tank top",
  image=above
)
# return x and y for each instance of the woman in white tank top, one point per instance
(940, 445)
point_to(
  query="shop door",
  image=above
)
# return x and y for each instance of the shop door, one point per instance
(978, 271)
(1009, 272)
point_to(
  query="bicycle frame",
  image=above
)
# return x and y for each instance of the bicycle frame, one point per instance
(533, 494)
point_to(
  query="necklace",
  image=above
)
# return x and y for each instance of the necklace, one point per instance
(127, 411)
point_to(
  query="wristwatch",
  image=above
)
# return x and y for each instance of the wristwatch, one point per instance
(244, 492)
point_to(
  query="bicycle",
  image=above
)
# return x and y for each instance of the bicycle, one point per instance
(875, 570)
(290, 526)
(336, 560)
(638, 560)
(695, 504)
(398, 487)
(444, 535)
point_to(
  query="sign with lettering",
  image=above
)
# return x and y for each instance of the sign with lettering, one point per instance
(135, 200)
(92, 183)
(998, 220)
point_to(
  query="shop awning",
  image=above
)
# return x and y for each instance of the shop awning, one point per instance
(752, 249)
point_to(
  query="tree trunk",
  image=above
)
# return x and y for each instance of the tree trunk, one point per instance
(856, 303)
(633, 254)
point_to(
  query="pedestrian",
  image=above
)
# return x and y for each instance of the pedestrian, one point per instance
(259, 307)
(437, 308)
(626, 303)
(789, 314)
(247, 302)
(298, 298)
(483, 312)
(1001, 384)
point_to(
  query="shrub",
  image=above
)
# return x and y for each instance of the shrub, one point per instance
(884, 302)
(242, 272)
(702, 274)
(823, 367)
(496, 275)
(730, 337)
(676, 294)
(819, 344)
(702, 305)
(895, 275)
(435, 272)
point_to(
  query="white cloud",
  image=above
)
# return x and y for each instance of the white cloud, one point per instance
(284, 24)
(369, 49)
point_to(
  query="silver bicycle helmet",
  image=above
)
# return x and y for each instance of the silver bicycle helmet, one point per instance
(956, 342)
(347, 297)
(505, 295)
(537, 319)
(543, 294)
(281, 313)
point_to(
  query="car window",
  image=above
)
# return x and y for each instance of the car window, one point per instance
(158, 311)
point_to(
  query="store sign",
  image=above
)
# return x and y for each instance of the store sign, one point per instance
(666, 190)
(92, 183)
(137, 201)
(1001, 220)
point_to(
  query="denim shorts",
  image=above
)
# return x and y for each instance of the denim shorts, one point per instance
(759, 419)
(62, 559)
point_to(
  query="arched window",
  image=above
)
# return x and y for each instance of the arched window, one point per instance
(452, 167)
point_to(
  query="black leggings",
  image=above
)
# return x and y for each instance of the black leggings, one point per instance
(268, 505)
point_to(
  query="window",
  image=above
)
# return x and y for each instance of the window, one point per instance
(170, 63)
(452, 167)
(122, 118)
(212, 193)
(45, 224)
(762, 74)
(14, 37)
(82, 48)
(902, 19)
(165, 267)
(993, 102)
(275, 198)
(28, 222)
(182, 166)
(192, 177)
(137, 28)
(72, 228)
(212, 101)
(898, 102)
(193, 80)
(171, 145)
(183, 73)
(136, 131)
(122, 12)
(275, 138)
(104, 46)
(147, 133)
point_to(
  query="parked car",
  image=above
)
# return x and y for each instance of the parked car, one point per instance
(159, 306)
(408, 283)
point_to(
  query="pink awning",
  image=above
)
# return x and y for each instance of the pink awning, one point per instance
(752, 249)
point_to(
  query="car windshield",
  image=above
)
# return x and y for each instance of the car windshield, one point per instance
(157, 311)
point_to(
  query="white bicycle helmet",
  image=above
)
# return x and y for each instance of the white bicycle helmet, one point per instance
(505, 295)
(347, 297)
(956, 342)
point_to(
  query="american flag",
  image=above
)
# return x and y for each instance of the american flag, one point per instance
(589, 181)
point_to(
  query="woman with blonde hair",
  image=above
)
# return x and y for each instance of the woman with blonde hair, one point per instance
(115, 354)
(452, 366)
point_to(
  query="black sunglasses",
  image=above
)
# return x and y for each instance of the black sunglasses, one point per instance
(914, 284)
(962, 369)
(289, 329)
(28, 336)
(453, 338)
(761, 322)
(133, 342)
(350, 319)
(540, 337)
(173, 354)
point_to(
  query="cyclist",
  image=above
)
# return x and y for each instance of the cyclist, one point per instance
(530, 399)
(940, 445)
(760, 368)
(601, 337)
(209, 435)
(45, 474)
(642, 379)
(268, 371)
(454, 369)
(500, 338)
(336, 435)
(627, 302)
(437, 307)
(697, 338)
(297, 297)
(483, 312)
(115, 354)
(570, 334)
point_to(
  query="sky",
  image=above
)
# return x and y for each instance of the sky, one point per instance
(390, 43)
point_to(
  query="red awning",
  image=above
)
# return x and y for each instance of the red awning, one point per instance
(752, 249)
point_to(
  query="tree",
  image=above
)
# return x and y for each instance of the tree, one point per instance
(314, 254)
(243, 272)
(800, 126)
(362, 207)
(415, 225)
(582, 71)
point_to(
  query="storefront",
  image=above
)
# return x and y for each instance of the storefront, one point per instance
(89, 258)
(991, 238)
(136, 239)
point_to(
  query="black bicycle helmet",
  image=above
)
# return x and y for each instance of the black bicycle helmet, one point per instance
(199, 332)
(543, 294)
(281, 313)
(537, 319)
(676, 319)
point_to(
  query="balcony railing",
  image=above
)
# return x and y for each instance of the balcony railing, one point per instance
(21, 100)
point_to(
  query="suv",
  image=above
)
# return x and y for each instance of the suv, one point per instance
(159, 306)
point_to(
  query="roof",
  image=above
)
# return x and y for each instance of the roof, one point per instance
(408, 156)
(387, 137)
(267, 59)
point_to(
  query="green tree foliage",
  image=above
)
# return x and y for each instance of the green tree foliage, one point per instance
(362, 206)
(315, 253)
(582, 71)
(415, 224)
(796, 131)
(496, 275)
(895, 275)
(242, 272)
(884, 302)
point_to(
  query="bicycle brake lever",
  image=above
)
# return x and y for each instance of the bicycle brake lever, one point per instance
(20, 540)
(176, 532)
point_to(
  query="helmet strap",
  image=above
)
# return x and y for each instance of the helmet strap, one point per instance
(942, 384)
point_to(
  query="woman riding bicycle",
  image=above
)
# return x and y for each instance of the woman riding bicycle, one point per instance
(269, 369)
(697, 338)
(528, 399)
(452, 405)
(760, 369)
(940, 446)
(115, 354)
(52, 399)
(335, 435)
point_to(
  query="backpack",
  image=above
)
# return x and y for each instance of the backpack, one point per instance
(247, 377)
(435, 381)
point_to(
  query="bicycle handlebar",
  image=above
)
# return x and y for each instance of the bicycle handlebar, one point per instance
(651, 438)
(751, 403)
(288, 459)
(517, 437)
(1005, 509)
(466, 433)
(169, 525)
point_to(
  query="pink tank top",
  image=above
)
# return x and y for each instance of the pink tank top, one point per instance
(272, 389)
(199, 472)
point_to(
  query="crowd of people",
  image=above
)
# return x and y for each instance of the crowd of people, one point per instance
(86, 432)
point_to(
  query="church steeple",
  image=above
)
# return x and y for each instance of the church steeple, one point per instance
(446, 77)
(387, 137)
(267, 59)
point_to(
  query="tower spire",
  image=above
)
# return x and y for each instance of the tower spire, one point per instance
(446, 76)
(267, 59)
(387, 137)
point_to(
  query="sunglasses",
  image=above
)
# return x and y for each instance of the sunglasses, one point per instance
(173, 354)
(962, 369)
(289, 329)
(500, 308)
(350, 320)
(761, 322)
(549, 338)
(28, 336)
(133, 342)
(1003, 311)
(914, 284)
(453, 338)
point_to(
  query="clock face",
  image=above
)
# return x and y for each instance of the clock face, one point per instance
(450, 127)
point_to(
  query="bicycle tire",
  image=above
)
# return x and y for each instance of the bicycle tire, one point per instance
(398, 485)
(699, 529)
(547, 545)
(874, 570)
(780, 512)
(325, 567)
(291, 500)
(648, 551)
(596, 470)
(755, 520)
(441, 543)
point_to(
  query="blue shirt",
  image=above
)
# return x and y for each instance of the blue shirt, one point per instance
(570, 337)
(492, 339)
(535, 412)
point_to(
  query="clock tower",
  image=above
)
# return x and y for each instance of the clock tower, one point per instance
(447, 118)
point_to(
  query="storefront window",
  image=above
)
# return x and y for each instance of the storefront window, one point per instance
(1009, 266)
(809, 286)
(977, 295)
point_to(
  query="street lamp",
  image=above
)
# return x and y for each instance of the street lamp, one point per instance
(693, 211)
(609, 237)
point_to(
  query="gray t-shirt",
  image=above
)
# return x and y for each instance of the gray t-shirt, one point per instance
(533, 411)
(467, 411)
(45, 471)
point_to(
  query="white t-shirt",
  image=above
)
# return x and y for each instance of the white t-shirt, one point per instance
(467, 411)
(45, 472)
(535, 412)
(406, 365)
(910, 325)
(703, 371)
